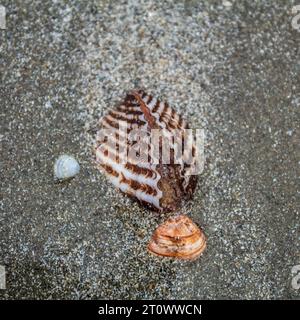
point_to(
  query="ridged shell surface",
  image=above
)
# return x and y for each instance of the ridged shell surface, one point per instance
(159, 186)
(178, 237)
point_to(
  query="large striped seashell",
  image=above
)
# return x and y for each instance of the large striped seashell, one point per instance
(178, 237)
(159, 186)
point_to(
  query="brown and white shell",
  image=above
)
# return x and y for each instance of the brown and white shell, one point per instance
(159, 186)
(178, 237)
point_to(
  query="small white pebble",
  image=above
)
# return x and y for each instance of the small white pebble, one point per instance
(48, 104)
(227, 4)
(66, 167)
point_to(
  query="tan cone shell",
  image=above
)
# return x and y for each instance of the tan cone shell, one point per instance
(178, 237)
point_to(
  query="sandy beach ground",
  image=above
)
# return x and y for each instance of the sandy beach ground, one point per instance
(231, 67)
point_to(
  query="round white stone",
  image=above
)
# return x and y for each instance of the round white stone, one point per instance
(66, 167)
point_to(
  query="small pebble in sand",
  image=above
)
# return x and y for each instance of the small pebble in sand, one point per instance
(227, 4)
(65, 167)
